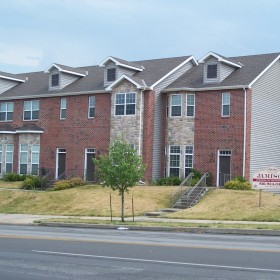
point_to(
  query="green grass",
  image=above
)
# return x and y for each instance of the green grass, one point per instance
(161, 224)
(87, 200)
(234, 205)
(10, 185)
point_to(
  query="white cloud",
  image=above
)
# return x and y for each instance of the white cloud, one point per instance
(20, 55)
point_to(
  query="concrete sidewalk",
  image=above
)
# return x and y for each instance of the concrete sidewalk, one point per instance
(27, 219)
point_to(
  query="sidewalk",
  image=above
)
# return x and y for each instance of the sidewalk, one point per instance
(27, 219)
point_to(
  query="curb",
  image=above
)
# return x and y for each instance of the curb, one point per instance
(167, 229)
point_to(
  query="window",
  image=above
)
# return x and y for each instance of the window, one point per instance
(1, 150)
(225, 104)
(35, 150)
(111, 74)
(190, 105)
(55, 80)
(212, 71)
(23, 159)
(125, 104)
(174, 160)
(91, 106)
(176, 105)
(31, 110)
(6, 111)
(9, 158)
(188, 160)
(63, 108)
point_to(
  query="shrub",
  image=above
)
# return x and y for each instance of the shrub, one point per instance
(238, 183)
(68, 184)
(34, 183)
(13, 177)
(168, 181)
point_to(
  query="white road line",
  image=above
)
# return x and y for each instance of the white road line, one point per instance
(156, 261)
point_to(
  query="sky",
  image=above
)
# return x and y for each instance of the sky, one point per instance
(36, 33)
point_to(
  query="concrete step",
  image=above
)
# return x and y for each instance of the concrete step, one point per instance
(169, 210)
(153, 214)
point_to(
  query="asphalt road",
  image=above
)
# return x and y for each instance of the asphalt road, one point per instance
(29, 252)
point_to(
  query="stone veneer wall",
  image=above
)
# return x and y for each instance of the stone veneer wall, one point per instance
(179, 131)
(4, 140)
(129, 125)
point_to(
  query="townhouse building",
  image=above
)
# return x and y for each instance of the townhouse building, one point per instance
(217, 115)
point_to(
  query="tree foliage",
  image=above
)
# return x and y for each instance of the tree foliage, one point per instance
(120, 169)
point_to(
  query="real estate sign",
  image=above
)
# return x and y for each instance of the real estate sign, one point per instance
(269, 178)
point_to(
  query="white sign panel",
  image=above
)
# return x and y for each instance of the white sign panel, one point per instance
(269, 178)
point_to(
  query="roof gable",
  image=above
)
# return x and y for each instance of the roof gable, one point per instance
(66, 69)
(122, 63)
(140, 84)
(221, 59)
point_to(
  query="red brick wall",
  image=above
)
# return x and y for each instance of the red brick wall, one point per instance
(75, 133)
(213, 132)
(148, 132)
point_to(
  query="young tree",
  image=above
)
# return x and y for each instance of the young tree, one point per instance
(120, 169)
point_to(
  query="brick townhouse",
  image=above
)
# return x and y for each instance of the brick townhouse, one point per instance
(217, 114)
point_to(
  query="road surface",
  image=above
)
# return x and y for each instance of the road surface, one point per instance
(29, 252)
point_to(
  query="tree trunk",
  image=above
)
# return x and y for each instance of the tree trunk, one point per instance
(122, 206)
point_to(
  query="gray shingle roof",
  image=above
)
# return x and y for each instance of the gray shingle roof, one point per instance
(12, 76)
(6, 127)
(253, 65)
(30, 127)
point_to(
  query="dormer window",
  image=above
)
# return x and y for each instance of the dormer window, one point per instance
(55, 80)
(212, 71)
(111, 74)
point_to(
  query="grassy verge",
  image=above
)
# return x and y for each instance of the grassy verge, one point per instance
(162, 224)
(87, 200)
(234, 205)
(10, 185)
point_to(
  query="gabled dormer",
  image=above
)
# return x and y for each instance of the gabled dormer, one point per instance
(217, 68)
(61, 76)
(8, 81)
(114, 68)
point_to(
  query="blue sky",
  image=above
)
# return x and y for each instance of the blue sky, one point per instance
(37, 33)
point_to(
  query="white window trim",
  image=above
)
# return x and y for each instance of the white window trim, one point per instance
(6, 156)
(31, 119)
(190, 105)
(1, 158)
(220, 153)
(217, 77)
(58, 151)
(87, 151)
(125, 115)
(175, 105)
(91, 107)
(223, 104)
(169, 153)
(62, 108)
(27, 156)
(32, 157)
(6, 112)
(187, 154)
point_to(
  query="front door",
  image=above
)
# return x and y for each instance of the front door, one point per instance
(61, 163)
(89, 172)
(224, 167)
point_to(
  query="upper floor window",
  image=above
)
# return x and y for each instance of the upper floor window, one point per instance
(63, 104)
(111, 74)
(190, 105)
(125, 104)
(176, 105)
(225, 104)
(31, 110)
(55, 80)
(212, 71)
(6, 111)
(91, 106)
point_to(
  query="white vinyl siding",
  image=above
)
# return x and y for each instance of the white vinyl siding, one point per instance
(6, 85)
(265, 129)
(157, 134)
(225, 70)
(64, 79)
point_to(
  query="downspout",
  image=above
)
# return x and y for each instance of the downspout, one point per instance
(245, 130)
(140, 123)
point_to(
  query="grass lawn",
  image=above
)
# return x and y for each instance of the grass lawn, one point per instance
(86, 200)
(10, 185)
(233, 205)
